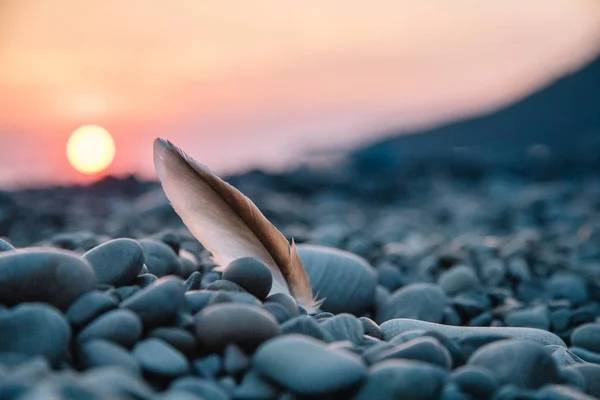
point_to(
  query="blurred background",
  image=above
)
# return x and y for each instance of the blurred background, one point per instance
(272, 84)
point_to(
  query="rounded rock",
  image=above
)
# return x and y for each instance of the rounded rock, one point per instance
(116, 262)
(521, 363)
(587, 336)
(88, 307)
(234, 323)
(346, 282)
(251, 274)
(179, 338)
(458, 279)
(225, 286)
(120, 326)
(102, 353)
(344, 327)
(591, 377)
(56, 277)
(420, 301)
(307, 366)
(285, 300)
(568, 286)
(160, 303)
(203, 388)
(536, 317)
(158, 358)
(475, 381)
(160, 258)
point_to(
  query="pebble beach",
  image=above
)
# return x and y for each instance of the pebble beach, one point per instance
(450, 282)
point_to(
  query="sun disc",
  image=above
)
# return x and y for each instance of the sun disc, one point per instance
(90, 149)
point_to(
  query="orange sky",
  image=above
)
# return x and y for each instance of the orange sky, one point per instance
(256, 82)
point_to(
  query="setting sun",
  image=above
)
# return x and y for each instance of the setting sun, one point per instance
(90, 149)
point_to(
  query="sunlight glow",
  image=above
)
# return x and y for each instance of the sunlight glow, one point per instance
(90, 149)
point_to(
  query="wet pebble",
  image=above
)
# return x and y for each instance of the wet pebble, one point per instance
(306, 366)
(56, 277)
(251, 274)
(345, 281)
(245, 325)
(422, 301)
(120, 326)
(158, 358)
(116, 262)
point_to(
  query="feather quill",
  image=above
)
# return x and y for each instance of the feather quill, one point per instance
(228, 223)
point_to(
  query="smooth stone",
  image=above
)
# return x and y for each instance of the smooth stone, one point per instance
(475, 381)
(208, 366)
(344, 327)
(452, 391)
(35, 329)
(116, 262)
(451, 316)
(458, 279)
(536, 317)
(176, 395)
(158, 358)
(145, 280)
(591, 376)
(382, 296)
(426, 349)
(483, 319)
(392, 328)
(102, 353)
(198, 299)
(573, 378)
(120, 326)
(159, 258)
(209, 278)
(570, 286)
(518, 362)
(251, 274)
(254, 387)
(285, 300)
(562, 392)
(471, 304)
(226, 286)
(158, 304)
(193, 281)
(563, 357)
(5, 246)
(185, 321)
(493, 272)
(234, 360)
(422, 301)
(560, 319)
(243, 298)
(305, 325)
(116, 383)
(587, 336)
(306, 366)
(390, 277)
(586, 355)
(371, 328)
(88, 307)
(242, 324)
(179, 338)
(203, 388)
(55, 277)
(278, 311)
(345, 281)
(452, 346)
(125, 292)
(403, 379)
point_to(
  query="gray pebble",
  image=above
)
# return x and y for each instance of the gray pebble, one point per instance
(198, 299)
(56, 277)
(535, 317)
(120, 326)
(587, 336)
(390, 277)
(475, 381)
(203, 388)
(101, 353)
(160, 259)
(371, 328)
(426, 349)
(158, 358)
(307, 366)
(458, 279)
(179, 338)
(145, 280)
(568, 286)
(251, 274)
(88, 307)
(285, 300)
(225, 285)
(344, 327)
(116, 262)
(193, 281)
(422, 301)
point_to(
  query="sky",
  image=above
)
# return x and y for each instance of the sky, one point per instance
(261, 82)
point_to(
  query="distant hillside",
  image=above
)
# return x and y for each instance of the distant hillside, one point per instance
(557, 126)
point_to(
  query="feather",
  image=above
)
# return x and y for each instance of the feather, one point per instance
(228, 223)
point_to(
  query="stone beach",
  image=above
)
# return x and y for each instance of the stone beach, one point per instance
(437, 282)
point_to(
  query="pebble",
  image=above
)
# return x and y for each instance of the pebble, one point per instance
(344, 327)
(158, 358)
(116, 262)
(120, 326)
(371, 328)
(560, 319)
(116, 383)
(306, 366)
(208, 366)
(517, 362)
(568, 286)
(587, 336)
(35, 329)
(562, 392)
(235, 361)
(160, 259)
(563, 357)
(125, 292)
(403, 379)
(591, 376)
(458, 279)
(586, 355)
(475, 381)
(493, 272)
(198, 299)
(535, 317)
(145, 280)
(306, 326)
(470, 304)
(278, 311)
(254, 387)
(193, 281)
(426, 349)
(180, 339)
(225, 285)
(285, 300)
(102, 353)
(88, 307)
(251, 274)
(422, 301)
(56, 277)
(461, 333)
(390, 277)
(203, 388)
(242, 324)
(344, 280)
(158, 304)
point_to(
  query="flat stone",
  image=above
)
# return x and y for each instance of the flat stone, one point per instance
(570, 286)
(116, 262)
(307, 366)
(56, 277)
